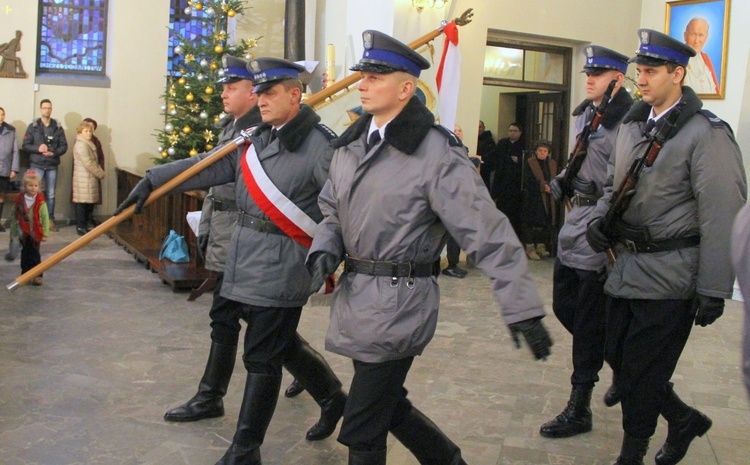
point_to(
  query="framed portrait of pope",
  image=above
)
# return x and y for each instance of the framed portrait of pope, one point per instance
(704, 26)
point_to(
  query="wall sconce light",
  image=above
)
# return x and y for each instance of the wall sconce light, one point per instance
(422, 4)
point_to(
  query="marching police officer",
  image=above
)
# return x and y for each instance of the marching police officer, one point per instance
(278, 177)
(398, 186)
(578, 291)
(673, 265)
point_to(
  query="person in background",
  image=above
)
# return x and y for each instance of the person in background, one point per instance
(579, 273)
(507, 185)
(8, 159)
(92, 222)
(385, 304)
(86, 177)
(30, 224)
(45, 143)
(486, 152)
(673, 268)
(741, 263)
(539, 208)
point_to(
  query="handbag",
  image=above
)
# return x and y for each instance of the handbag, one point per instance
(174, 248)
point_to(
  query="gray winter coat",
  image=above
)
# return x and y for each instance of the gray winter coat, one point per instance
(217, 220)
(572, 248)
(695, 188)
(395, 203)
(8, 150)
(741, 261)
(265, 269)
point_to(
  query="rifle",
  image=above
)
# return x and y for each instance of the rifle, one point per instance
(621, 198)
(582, 144)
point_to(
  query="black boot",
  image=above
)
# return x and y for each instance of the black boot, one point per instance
(367, 457)
(633, 450)
(612, 396)
(208, 403)
(294, 389)
(258, 405)
(424, 439)
(685, 424)
(575, 419)
(315, 375)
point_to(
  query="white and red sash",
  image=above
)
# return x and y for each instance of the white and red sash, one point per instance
(294, 222)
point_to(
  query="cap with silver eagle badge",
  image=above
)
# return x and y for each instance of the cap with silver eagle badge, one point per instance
(384, 54)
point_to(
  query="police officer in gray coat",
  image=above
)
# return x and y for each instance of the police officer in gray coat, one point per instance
(673, 265)
(578, 291)
(399, 185)
(265, 270)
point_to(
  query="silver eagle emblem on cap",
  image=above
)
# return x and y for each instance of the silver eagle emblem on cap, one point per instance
(367, 39)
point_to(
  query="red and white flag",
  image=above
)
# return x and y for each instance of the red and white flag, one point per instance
(449, 77)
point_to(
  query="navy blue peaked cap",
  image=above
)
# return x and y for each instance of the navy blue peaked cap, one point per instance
(384, 54)
(233, 69)
(267, 72)
(602, 58)
(657, 48)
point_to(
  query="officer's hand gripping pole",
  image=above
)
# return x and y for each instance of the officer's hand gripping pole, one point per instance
(56, 258)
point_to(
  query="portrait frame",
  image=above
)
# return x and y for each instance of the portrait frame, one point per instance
(714, 48)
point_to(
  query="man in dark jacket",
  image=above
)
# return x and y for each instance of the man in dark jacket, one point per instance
(45, 143)
(507, 185)
(485, 149)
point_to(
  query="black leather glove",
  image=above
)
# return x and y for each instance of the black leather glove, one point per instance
(321, 265)
(536, 336)
(707, 309)
(137, 196)
(202, 244)
(556, 188)
(596, 238)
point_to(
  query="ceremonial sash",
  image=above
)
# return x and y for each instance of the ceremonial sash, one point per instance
(283, 212)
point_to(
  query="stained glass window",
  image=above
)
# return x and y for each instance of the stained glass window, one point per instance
(72, 36)
(189, 26)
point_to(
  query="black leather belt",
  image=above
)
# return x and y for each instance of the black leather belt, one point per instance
(583, 200)
(660, 246)
(252, 222)
(224, 205)
(391, 269)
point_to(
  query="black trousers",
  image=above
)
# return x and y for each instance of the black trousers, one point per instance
(645, 339)
(270, 337)
(84, 214)
(578, 302)
(225, 317)
(30, 254)
(453, 252)
(377, 402)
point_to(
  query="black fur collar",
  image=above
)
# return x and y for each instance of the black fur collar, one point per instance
(617, 108)
(693, 104)
(405, 132)
(294, 133)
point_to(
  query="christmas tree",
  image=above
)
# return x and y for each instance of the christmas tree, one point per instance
(192, 99)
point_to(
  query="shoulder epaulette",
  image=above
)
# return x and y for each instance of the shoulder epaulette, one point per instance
(453, 139)
(714, 120)
(328, 132)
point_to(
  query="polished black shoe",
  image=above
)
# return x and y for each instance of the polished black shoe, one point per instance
(199, 407)
(575, 419)
(454, 272)
(294, 389)
(81, 231)
(331, 411)
(612, 396)
(681, 434)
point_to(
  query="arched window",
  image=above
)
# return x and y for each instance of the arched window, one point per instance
(72, 37)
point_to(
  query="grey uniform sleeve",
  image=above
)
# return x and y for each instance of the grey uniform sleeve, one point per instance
(461, 201)
(204, 226)
(221, 172)
(328, 237)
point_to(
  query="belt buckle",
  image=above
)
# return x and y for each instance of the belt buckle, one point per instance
(576, 200)
(630, 245)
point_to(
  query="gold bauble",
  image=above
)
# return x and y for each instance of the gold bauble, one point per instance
(172, 106)
(218, 48)
(209, 146)
(198, 6)
(189, 97)
(193, 152)
(213, 66)
(231, 13)
(181, 81)
(209, 90)
(164, 154)
(216, 119)
(186, 130)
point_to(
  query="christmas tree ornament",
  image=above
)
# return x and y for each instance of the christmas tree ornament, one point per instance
(231, 13)
(171, 151)
(190, 97)
(209, 11)
(194, 107)
(178, 50)
(200, 77)
(213, 66)
(160, 149)
(193, 152)
(204, 63)
(188, 11)
(169, 127)
(209, 147)
(208, 135)
(189, 58)
(204, 115)
(219, 48)
(186, 130)
(216, 119)
(173, 138)
(164, 154)
(172, 106)
(163, 108)
(209, 90)
(181, 81)
(173, 112)
(198, 6)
